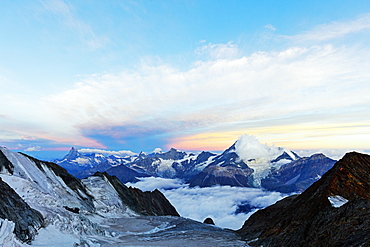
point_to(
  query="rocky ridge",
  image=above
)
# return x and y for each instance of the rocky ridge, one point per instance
(334, 211)
(297, 175)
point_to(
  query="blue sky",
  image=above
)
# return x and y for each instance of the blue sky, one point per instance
(137, 75)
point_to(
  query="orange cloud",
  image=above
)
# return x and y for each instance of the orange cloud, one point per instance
(299, 136)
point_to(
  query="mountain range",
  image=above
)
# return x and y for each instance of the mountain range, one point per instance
(42, 204)
(247, 163)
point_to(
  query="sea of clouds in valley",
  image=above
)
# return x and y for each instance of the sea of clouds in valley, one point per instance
(218, 202)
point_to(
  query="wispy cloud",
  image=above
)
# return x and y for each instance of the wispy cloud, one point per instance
(33, 149)
(69, 19)
(218, 51)
(228, 91)
(296, 85)
(270, 27)
(335, 29)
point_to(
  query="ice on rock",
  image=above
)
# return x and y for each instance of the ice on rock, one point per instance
(337, 201)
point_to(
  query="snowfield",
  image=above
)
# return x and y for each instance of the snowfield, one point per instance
(70, 220)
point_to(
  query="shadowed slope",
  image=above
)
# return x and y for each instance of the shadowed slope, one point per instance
(314, 218)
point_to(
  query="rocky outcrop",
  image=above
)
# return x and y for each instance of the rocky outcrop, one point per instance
(208, 221)
(14, 208)
(125, 174)
(334, 211)
(143, 203)
(6, 167)
(297, 175)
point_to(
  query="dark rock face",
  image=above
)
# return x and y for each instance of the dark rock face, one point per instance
(125, 174)
(27, 220)
(5, 165)
(309, 219)
(226, 169)
(298, 175)
(285, 156)
(245, 207)
(172, 154)
(187, 169)
(208, 221)
(144, 203)
(218, 175)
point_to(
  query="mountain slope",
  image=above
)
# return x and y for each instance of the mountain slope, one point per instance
(82, 165)
(170, 164)
(27, 220)
(42, 194)
(143, 203)
(297, 175)
(243, 164)
(226, 169)
(334, 211)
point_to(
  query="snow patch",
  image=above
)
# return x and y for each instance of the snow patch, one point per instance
(203, 165)
(81, 161)
(7, 237)
(107, 201)
(51, 236)
(337, 201)
(165, 168)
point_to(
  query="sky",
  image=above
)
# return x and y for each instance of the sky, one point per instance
(194, 75)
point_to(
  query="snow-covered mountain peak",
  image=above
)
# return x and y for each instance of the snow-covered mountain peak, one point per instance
(72, 154)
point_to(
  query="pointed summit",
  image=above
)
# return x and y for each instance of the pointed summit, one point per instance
(72, 154)
(350, 177)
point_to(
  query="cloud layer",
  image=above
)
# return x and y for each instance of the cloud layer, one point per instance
(298, 85)
(219, 202)
(310, 92)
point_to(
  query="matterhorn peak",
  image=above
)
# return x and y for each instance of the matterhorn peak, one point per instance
(72, 154)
